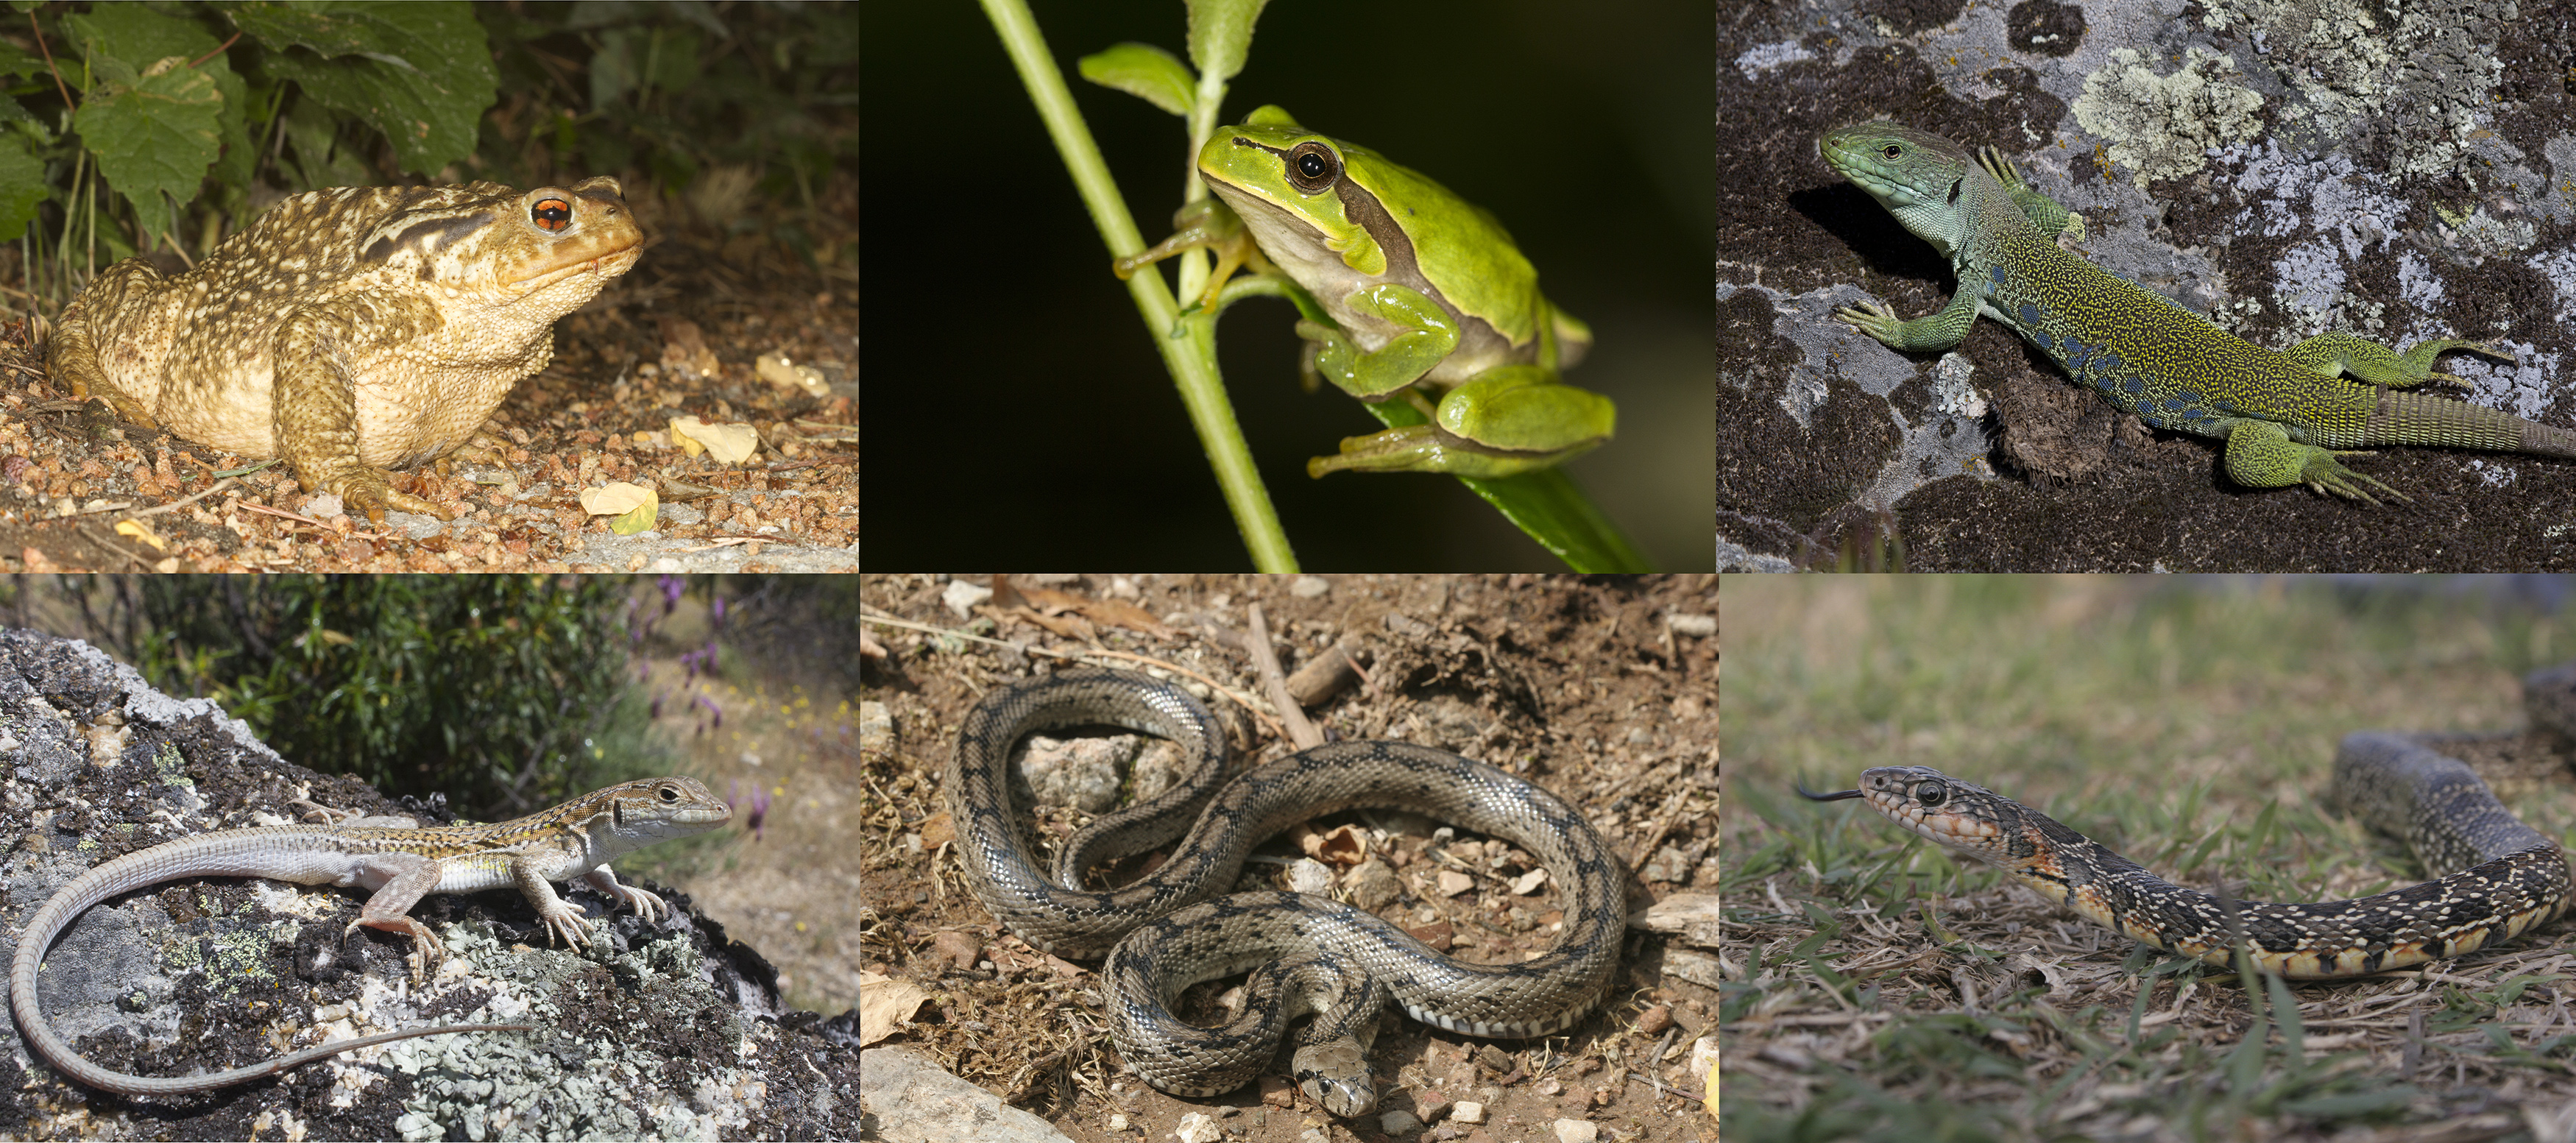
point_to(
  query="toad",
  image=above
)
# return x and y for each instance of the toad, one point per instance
(350, 331)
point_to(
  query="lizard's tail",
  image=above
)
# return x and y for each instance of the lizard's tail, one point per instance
(2403, 417)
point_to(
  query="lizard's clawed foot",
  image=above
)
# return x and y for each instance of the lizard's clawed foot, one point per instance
(2325, 474)
(1873, 319)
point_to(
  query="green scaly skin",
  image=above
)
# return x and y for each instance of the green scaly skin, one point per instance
(2284, 416)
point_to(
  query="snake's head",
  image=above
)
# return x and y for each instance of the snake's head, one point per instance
(1326, 1073)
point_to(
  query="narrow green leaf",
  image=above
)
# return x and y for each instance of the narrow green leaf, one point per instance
(1146, 72)
(1221, 34)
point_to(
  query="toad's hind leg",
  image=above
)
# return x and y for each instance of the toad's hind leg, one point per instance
(316, 399)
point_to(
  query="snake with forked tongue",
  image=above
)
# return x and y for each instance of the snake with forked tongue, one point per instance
(2494, 878)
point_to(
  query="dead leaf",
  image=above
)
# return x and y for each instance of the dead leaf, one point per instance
(885, 1003)
(615, 499)
(728, 443)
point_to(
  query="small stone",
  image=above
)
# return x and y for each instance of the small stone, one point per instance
(1654, 1020)
(876, 728)
(1695, 626)
(1577, 1131)
(1277, 1091)
(1467, 1111)
(960, 949)
(1198, 1127)
(1453, 883)
(1373, 885)
(1398, 1123)
(961, 597)
(1310, 586)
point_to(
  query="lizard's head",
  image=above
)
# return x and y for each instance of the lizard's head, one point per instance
(1918, 177)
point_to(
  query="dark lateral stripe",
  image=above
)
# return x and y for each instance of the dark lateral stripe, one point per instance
(418, 233)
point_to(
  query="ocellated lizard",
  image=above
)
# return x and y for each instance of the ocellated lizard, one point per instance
(2284, 415)
(399, 861)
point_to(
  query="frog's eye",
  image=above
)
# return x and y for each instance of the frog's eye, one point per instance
(551, 214)
(1313, 167)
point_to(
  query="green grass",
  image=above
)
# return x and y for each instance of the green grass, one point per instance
(1877, 988)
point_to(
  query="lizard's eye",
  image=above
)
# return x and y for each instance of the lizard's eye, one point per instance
(1891, 150)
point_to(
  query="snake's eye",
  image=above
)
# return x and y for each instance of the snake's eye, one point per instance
(1929, 793)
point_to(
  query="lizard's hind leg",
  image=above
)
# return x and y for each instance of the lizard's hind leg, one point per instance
(2260, 454)
(2336, 354)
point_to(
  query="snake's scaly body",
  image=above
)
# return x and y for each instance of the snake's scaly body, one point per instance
(1330, 958)
(2495, 877)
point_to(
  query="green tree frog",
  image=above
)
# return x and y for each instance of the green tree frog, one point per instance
(1428, 292)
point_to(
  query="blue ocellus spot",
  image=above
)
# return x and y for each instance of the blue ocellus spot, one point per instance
(2173, 404)
(1996, 273)
(2113, 362)
(2075, 351)
(2134, 386)
(2190, 395)
(2029, 314)
(2045, 343)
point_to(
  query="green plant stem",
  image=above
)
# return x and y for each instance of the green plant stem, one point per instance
(1191, 355)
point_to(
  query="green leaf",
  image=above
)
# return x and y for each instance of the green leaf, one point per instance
(15, 60)
(1547, 505)
(1146, 72)
(637, 519)
(1221, 34)
(155, 138)
(312, 138)
(420, 73)
(130, 36)
(22, 185)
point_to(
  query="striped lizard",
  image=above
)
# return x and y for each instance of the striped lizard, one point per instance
(399, 861)
(2285, 415)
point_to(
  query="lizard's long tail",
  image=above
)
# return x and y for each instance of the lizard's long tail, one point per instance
(2402, 417)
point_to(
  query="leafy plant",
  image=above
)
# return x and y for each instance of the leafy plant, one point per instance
(502, 691)
(181, 105)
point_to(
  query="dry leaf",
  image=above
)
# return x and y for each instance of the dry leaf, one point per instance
(137, 530)
(884, 1003)
(616, 499)
(728, 443)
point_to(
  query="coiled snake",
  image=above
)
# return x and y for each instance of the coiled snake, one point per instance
(2494, 878)
(1317, 955)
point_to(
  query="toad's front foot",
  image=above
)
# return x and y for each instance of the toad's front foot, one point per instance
(361, 488)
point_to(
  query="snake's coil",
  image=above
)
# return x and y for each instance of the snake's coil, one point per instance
(1321, 955)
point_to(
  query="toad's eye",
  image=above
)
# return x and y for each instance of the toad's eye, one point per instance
(551, 214)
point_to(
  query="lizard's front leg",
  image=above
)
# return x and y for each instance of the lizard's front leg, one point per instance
(559, 918)
(644, 902)
(1938, 333)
